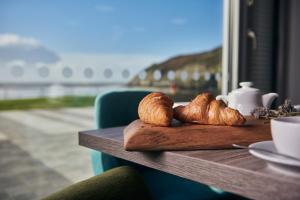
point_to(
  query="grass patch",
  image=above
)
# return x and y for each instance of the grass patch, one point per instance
(47, 103)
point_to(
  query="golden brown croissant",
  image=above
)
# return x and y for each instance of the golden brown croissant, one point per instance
(157, 109)
(204, 109)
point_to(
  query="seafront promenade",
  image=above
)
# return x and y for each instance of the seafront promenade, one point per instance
(39, 151)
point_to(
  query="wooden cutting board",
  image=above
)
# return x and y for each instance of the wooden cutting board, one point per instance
(146, 137)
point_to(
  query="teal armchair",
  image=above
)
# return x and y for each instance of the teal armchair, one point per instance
(119, 108)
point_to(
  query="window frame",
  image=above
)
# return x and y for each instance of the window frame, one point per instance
(230, 46)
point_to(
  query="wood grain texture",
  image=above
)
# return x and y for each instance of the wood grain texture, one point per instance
(231, 170)
(146, 137)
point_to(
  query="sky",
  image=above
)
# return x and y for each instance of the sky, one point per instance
(103, 33)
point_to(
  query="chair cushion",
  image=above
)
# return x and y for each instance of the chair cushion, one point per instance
(118, 183)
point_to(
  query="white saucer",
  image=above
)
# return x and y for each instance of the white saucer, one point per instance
(277, 163)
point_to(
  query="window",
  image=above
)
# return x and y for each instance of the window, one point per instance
(159, 45)
(57, 55)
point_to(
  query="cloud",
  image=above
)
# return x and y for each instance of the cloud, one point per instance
(104, 8)
(179, 21)
(27, 50)
(13, 39)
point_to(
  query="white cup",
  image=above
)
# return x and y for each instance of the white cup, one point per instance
(286, 135)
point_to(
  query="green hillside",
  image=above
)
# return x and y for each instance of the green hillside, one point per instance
(200, 63)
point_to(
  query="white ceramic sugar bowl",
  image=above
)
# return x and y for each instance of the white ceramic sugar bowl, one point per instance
(246, 98)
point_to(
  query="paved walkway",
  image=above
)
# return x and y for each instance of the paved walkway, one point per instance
(39, 151)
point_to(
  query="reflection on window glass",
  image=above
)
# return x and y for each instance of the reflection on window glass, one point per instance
(108, 73)
(171, 75)
(206, 76)
(43, 72)
(196, 76)
(157, 75)
(183, 75)
(88, 72)
(125, 73)
(67, 72)
(142, 75)
(17, 71)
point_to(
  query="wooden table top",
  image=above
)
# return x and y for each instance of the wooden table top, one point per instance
(234, 171)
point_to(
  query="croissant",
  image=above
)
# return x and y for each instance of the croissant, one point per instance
(157, 109)
(204, 109)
